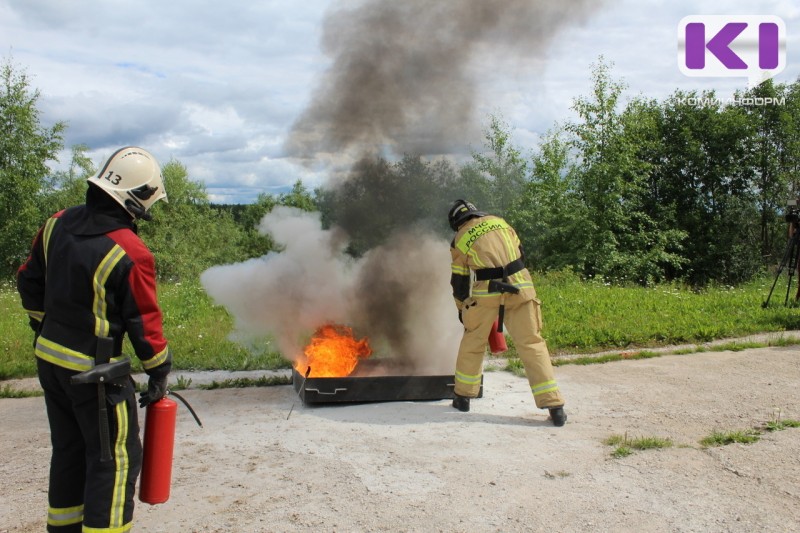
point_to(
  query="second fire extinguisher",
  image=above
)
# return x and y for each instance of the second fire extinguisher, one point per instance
(497, 340)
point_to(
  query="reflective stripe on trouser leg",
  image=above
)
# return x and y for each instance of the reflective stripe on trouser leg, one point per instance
(110, 485)
(64, 516)
(67, 466)
(478, 322)
(523, 320)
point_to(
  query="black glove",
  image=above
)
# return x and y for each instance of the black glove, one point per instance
(156, 389)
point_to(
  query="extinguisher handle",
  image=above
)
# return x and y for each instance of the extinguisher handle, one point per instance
(189, 407)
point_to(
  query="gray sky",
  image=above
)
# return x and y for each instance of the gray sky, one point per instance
(218, 86)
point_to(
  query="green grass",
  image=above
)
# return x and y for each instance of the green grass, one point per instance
(748, 436)
(241, 383)
(580, 317)
(7, 392)
(198, 333)
(16, 338)
(723, 438)
(621, 451)
(584, 316)
(514, 364)
(780, 425)
(777, 423)
(624, 446)
(557, 474)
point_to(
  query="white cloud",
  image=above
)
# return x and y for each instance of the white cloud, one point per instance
(218, 86)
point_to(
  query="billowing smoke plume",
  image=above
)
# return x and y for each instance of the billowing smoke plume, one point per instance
(396, 296)
(287, 294)
(402, 82)
(401, 78)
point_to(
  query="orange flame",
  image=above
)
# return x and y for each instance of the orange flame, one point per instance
(333, 352)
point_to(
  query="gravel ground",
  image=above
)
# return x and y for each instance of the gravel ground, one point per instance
(265, 462)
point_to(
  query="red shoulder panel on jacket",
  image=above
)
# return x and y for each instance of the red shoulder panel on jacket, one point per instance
(131, 243)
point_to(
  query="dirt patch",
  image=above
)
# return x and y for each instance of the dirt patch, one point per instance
(266, 462)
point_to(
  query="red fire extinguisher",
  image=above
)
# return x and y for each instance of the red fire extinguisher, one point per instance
(159, 442)
(158, 447)
(497, 341)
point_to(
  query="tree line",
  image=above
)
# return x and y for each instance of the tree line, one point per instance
(691, 188)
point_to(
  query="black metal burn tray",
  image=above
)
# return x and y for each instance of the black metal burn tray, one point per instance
(374, 381)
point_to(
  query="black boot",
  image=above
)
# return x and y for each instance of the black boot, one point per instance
(461, 403)
(558, 415)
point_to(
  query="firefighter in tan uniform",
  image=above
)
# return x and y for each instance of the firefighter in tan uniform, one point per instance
(489, 278)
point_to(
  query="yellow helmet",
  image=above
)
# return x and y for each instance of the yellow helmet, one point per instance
(132, 177)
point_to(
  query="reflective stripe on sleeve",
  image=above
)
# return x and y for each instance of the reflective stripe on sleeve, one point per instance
(157, 360)
(459, 270)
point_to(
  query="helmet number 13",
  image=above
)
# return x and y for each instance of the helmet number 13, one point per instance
(115, 179)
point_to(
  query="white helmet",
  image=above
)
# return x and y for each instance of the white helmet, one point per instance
(132, 177)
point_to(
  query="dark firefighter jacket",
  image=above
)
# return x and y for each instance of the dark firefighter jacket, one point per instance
(89, 275)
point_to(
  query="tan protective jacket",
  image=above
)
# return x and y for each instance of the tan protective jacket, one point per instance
(485, 242)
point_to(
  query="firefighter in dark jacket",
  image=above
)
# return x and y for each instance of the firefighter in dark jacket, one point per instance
(88, 281)
(489, 278)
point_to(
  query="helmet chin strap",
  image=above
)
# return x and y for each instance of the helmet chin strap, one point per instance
(137, 211)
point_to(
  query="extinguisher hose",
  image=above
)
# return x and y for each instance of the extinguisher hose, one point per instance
(189, 407)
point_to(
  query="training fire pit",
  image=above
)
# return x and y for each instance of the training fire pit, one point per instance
(337, 367)
(373, 381)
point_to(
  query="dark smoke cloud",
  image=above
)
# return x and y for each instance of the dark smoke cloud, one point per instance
(378, 198)
(404, 300)
(400, 80)
(397, 295)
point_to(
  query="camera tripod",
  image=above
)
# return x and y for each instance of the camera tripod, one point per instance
(790, 257)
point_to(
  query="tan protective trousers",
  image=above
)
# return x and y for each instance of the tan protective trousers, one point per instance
(523, 321)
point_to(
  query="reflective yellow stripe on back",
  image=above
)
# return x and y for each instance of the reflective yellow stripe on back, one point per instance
(62, 356)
